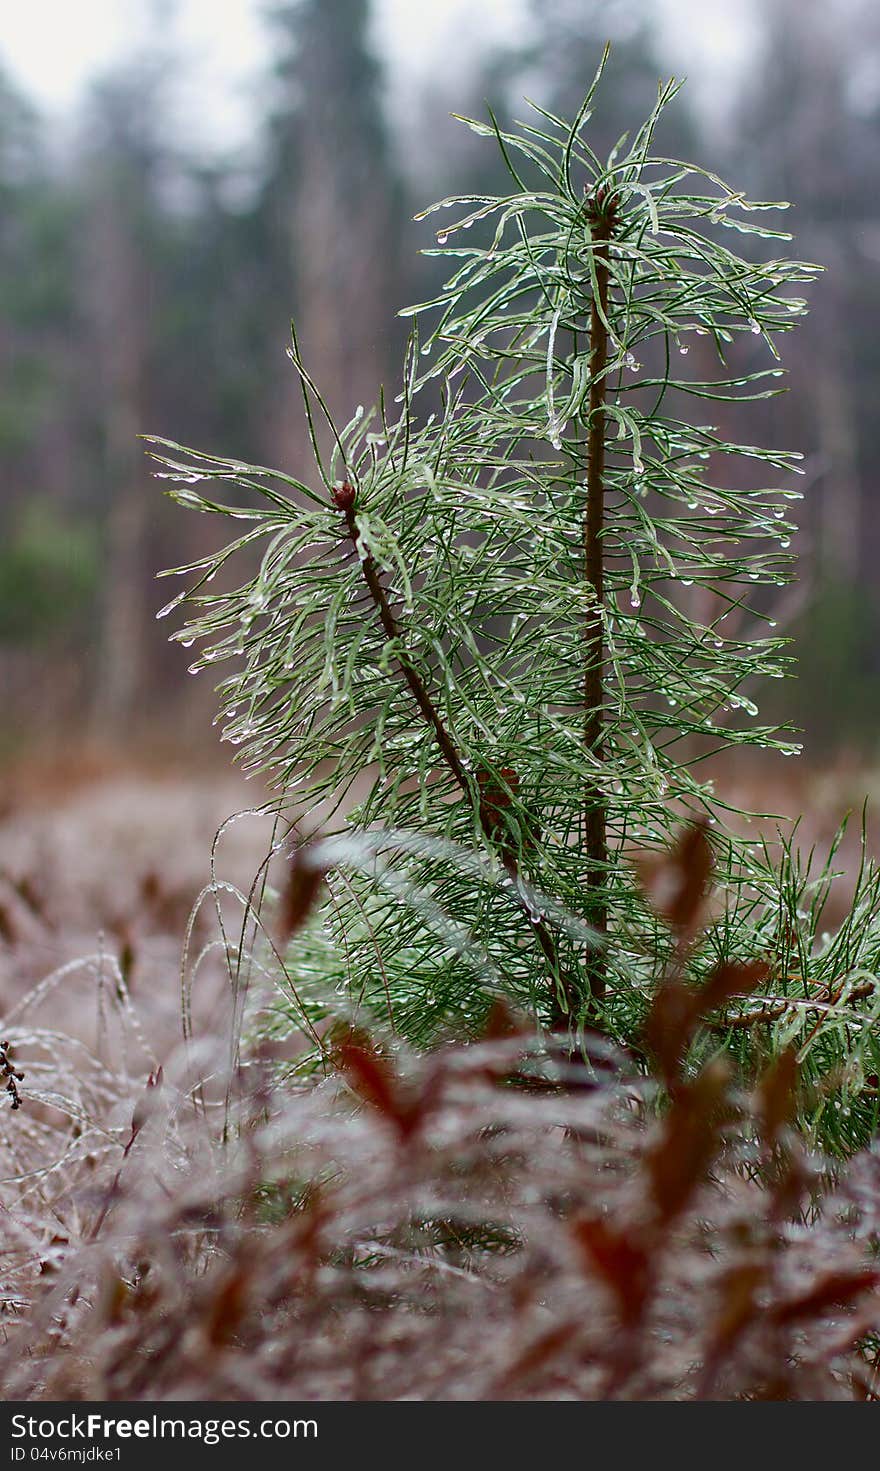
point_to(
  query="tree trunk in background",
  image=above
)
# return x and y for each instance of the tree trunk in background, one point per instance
(838, 553)
(342, 221)
(813, 142)
(118, 288)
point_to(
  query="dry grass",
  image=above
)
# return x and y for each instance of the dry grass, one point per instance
(112, 861)
(497, 1221)
(491, 1223)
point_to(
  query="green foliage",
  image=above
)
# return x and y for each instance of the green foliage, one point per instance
(820, 995)
(836, 666)
(48, 575)
(416, 648)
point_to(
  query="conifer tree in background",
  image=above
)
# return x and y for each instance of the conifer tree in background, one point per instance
(121, 235)
(522, 623)
(131, 164)
(831, 159)
(564, 37)
(47, 566)
(332, 198)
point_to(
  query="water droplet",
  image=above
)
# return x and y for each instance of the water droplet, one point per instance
(683, 349)
(442, 239)
(635, 599)
(754, 328)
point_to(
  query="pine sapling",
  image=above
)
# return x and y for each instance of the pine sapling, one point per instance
(492, 647)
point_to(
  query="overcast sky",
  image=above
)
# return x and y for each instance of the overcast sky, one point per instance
(53, 47)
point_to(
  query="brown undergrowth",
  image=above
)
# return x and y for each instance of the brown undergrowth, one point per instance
(499, 1220)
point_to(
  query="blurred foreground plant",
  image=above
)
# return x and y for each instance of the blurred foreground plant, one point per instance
(492, 1221)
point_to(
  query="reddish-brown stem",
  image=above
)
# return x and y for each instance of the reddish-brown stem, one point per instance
(601, 214)
(394, 632)
(344, 499)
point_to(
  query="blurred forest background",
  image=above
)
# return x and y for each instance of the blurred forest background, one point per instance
(147, 287)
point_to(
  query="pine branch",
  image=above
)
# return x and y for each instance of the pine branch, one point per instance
(772, 1009)
(344, 499)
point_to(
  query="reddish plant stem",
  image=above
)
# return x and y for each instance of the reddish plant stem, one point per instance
(417, 689)
(601, 213)
(344, 499)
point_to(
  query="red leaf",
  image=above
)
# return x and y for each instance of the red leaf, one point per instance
(669, 1026)
(301, 892)
(677, 883)
(776, 1093)
(503, 1022)
(677, 1010)
(731, 978)
(373, 1080)
(621, 1262)
(837, 1290)
(690, 1139)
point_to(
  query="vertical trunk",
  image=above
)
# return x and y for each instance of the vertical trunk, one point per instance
(120, 657)
(342, 220)
(595, 841)
(118, 289)
(841, 533)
